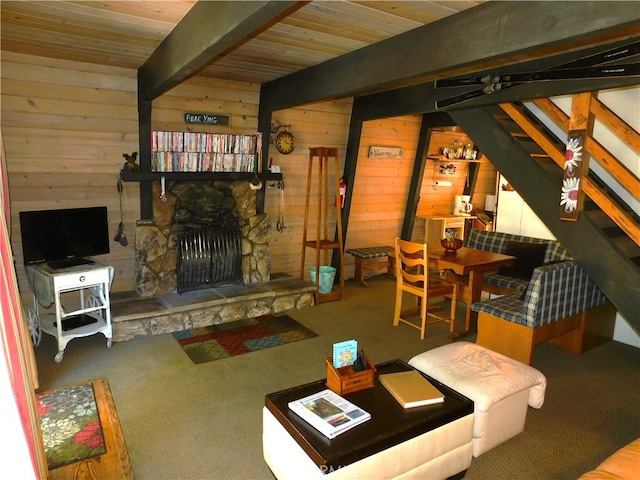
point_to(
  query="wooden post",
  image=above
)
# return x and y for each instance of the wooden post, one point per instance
(576, 165)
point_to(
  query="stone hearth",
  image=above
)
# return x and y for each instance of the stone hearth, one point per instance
(156, 308)
(133, 315)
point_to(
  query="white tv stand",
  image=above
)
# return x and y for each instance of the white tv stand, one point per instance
(85, 290)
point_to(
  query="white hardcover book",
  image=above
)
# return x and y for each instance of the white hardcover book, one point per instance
(329, 413)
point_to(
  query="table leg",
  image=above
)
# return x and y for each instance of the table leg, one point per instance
(474, 292)
(469, 291)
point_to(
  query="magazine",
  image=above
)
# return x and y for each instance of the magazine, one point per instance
(329, 413)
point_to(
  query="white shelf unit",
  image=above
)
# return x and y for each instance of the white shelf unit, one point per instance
(78, 293)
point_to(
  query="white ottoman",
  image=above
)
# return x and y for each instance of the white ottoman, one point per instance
(500, 387)
(436, 454)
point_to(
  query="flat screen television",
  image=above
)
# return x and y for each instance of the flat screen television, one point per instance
(64, 237)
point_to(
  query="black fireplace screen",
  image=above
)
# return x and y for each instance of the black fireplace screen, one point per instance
(209, 256)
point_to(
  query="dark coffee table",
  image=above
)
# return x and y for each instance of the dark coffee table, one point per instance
(390, 424)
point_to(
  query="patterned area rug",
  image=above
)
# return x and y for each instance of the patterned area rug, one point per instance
(70, 425)
(243, 336)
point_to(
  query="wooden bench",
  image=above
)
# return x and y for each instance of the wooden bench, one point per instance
(382, 258)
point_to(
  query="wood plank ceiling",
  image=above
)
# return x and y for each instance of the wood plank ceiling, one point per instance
(126, 33)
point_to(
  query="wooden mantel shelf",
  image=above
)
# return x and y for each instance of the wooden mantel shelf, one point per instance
(129, 176)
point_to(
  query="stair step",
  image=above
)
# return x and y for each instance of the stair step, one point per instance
(530, 146)
(627, 246)
(601, 219)
(613, 232)
(550, 167)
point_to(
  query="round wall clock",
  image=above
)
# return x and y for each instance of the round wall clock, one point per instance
(285, 142)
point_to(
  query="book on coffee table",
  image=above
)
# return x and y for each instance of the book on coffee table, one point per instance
(411, 389)
(329, 413)
(345, 353)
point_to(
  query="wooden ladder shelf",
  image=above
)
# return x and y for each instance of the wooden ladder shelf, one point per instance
(322, 242)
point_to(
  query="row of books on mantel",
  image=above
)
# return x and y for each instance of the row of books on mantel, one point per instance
(332, 414)
(203, 142)
(203, 162)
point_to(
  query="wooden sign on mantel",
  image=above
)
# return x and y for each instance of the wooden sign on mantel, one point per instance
(207, 118)
(376, 151)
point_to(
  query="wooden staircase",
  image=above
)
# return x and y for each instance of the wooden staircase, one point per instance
(605, 239)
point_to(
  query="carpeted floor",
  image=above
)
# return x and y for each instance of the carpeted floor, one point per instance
(183, 421)
(70, 425)
(242, 336)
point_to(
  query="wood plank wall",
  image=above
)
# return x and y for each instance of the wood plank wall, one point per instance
(67, 124)
(323, 124)
(382, 185)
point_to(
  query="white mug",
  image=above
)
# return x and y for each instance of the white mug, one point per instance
(467, 207)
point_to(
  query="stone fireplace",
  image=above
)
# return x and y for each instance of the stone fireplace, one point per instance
(190, 204)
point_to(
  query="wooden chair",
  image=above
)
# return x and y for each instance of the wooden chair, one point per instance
(411, 265)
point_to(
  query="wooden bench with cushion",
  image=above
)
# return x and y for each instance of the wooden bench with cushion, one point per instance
(561, 304)
(525, 249)
(382, 258)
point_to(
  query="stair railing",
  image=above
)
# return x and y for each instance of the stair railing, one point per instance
(616, 169)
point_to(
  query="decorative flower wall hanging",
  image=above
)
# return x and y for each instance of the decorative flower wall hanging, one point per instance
(573, 170)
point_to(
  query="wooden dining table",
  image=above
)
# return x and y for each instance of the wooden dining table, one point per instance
(468, 266)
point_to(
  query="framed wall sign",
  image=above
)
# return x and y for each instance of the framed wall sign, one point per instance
(207, 118)
(377, 151)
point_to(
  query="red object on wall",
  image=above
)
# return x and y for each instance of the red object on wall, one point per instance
(343, 193)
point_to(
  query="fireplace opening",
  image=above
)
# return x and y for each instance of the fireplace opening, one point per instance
(209, 255)
(201, 216)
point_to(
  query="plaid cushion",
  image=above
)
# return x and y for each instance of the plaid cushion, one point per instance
(370, 252)
(497, 242)
(508, 307)
(556, 291)
(512, 283)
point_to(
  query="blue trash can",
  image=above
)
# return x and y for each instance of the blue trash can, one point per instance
(327, 276)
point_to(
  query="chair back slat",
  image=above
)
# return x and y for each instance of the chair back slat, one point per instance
(412, 277)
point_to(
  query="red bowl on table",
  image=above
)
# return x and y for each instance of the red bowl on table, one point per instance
(451, 246)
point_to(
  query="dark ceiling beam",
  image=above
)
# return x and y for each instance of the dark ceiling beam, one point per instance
(487, 36)
(207, 32)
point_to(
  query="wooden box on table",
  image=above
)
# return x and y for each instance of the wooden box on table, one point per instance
(345, 380)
